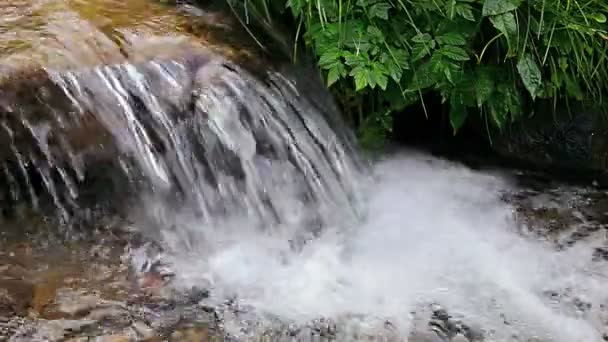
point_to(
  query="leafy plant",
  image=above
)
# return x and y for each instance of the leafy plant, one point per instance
(492, 57)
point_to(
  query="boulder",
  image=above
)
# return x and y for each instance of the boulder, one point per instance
(67, 150)
(55, 151)
(570, 140)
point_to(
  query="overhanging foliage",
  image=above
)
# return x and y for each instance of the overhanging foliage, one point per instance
(492, 57)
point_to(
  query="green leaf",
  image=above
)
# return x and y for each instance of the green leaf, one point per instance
(400, 57)
(506, 24)
(329, 58)
(372, 81)
(598, 17)
(375, 33)
(422, 38)
(296, 7)
(381, 78)
(392, 68)
(448, 74)
(458, 115)
(361, 75)
(573, 88)
(372, 135)
(424, 77)
(530, 74)
(499, 116)
(334, 74)
(452, 38)
(495, 7)
(421, 50)
(510, 98)
(354, 34)
(455, 53)
(379, 10)
(465, 11)
(397, 101)
(484, 87)
(498, 111)
(355, 59)
(437, 64)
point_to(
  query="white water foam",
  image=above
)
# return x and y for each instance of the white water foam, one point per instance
(435, 232)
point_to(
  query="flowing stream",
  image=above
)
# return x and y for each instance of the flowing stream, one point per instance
(240, 169)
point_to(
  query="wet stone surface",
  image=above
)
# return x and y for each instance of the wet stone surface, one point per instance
(87, 291)
(561, 214)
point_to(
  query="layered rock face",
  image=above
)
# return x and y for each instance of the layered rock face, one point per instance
(203, 127)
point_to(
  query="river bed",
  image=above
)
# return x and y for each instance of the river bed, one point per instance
(83, 288)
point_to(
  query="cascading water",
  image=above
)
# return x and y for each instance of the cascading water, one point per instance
(434, 233)
(252, 186)
(188, 124)
(206, 130)
(226, 142)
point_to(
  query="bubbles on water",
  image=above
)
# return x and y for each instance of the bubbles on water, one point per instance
(435, 232)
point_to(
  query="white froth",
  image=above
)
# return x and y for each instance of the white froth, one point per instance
(435, 232)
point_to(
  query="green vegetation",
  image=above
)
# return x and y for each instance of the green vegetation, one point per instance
(491, 58)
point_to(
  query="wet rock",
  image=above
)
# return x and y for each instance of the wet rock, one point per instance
(597, 210)
(324, 327)
(110, 313)
(152, 282)
(143, 331)
(442, 324)
(193, 334)
(572, 141)
(424, 336)
(45, 291)
(459, 338)
(55, 330)
(15, 297)
(74, 304)
(165, 321)
(600, 253)
(448, 328)
(78, 339)
(8, 326)
(114, 338)
(473, 334)
(13, 271)
(192, 296)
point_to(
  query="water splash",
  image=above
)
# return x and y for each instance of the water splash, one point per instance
(435, 232)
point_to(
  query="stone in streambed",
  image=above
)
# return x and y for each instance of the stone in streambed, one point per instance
(55, 330)
(424, 336)
(459, 338)
(45, 291)
(16, 297)
(113, 338)
(193, 334)
(78, 339)
(600, 253)
(109, 313)
(73, 304)
(144, 332)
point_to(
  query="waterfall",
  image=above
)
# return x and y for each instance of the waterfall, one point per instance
(200, 133)
(241, 168)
